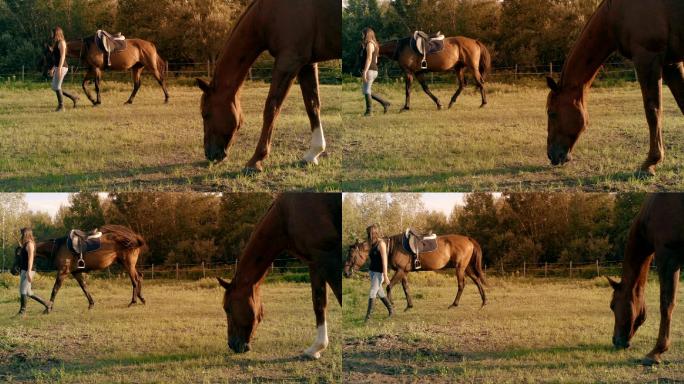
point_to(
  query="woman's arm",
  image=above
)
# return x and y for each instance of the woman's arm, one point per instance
(31, 249)
(383, 256)
(62, 57)
(370, 48)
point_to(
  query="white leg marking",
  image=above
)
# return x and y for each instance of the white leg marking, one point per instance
(321, 343)
(317, 146)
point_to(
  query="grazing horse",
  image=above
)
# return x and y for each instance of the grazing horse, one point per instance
(459, 252)
(299, 34)
(138, 55)
(117, 244)
(458, 54)
(651, 34)
(306, 225)
(658, 231)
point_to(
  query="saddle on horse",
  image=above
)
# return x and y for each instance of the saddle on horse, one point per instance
(425, 44)
(416, 243)
(80, 243)
(109, 43)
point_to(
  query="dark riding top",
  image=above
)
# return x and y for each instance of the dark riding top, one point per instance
(374, 59)
(57, 56)
(375, 258)
(24, 258)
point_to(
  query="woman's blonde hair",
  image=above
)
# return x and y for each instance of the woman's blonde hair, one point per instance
(57, 34)
(27, 236)
(369, 37)
(373, 232)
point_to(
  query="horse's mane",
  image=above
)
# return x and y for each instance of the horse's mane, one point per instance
(236, 25)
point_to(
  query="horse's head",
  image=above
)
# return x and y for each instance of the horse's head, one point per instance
(356, 257)
(567, 119)
(222, 118)
(15, 267)
(629, 311)
(244, 312)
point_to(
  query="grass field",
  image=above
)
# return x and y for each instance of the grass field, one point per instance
(178, 337)
(152, 146)
(502, 146)
(536, 330)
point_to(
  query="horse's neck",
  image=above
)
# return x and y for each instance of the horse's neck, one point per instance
(243, 47)
(267, 241)
(635, 273)
(591, 50)
(388, 49)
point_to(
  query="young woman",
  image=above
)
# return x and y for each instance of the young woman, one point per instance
(27, 270)
(378, 269)
(59, 71)
(371, 50)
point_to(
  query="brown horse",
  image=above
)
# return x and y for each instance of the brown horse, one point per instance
(458, 54)
(651, 34)
(138, 55)
(657, 231)
(118, 244)
(299, 34)
(306, 225)
(459, 252)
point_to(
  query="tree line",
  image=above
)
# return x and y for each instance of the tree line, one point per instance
(184, 228)
(525, 32)
(512, 228)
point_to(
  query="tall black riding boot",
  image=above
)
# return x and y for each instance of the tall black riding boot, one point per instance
(38, 299)
(22, 309)
(370, 309)
(369, 106)
(74, 98)
(60, 101)
(385, 103)
(388, 305)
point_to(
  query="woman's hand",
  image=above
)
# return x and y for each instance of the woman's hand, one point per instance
(29, 277)
(385, 278)
(51, 72)
(365, 76)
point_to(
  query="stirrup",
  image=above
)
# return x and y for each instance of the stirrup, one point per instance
(80, 264)
(423, 64)
(416, 264)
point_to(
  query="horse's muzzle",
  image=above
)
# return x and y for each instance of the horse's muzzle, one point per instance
(558, 156)
(238, 346)
(620, 342)
(214, 154)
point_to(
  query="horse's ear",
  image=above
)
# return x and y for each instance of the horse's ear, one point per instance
(224, 284)
(552, 84)
(203, 85)
(613, 283)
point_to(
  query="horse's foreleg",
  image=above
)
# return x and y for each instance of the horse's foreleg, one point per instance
(320, 297)
(649, 70)
(395, 279)
(136, 72)
(407, 292)
(86, 81)
(674, 77)
(477, 282)
(426, 89)
(308, 82)
(668, 274)
(58, 284)
(284, 72)
(81, 282)
(460, 276)
(98, 77)
(408, 80)
(461, 83)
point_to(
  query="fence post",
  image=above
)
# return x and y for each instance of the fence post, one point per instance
(109, 273)
(208, 68)
(250, 73)
(546, 268)
(502, 270)
(152, 271)
(204, 274)
(176, 271)
(524, 268)
(571, 269)
(551, 68)
(22, 73)
(598, 272)
(515, 76)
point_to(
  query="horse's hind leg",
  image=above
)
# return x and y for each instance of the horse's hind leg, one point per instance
(320, 301)
(394, 280)
(409, 80)
(81, 282)
(460, 74)
(407, 292)
(668, 274)
(477, 282)
(140, 281)
(426, 89)
(133, 274)
(308, 82)
(87, 79)
(460, 276)
(161, 79)
(136, 73)
(98, 78)
(674, 77)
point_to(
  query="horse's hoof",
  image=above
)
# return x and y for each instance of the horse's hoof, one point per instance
(453, 306)
(312, 355)
(132, 304)
(483, 105)
(450, 105)
(646, 172)
(439, 107)
(251, 170)
(408, 308)
(91, 306)
(128, 102)
(650, 360)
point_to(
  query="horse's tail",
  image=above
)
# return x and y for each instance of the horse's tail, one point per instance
(485, 61)
(124, 236)
(476, 261)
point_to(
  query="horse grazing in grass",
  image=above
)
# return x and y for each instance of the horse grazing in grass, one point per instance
(306, 225)
(299, 34)
(658, 231)
(138, 55)
(651, 34)
(459, 53)
(117, 244)
(453, 251)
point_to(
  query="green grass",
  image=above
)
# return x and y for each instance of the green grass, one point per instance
(178, 337)
(502, 146)
(532, 330)
(152, 146)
